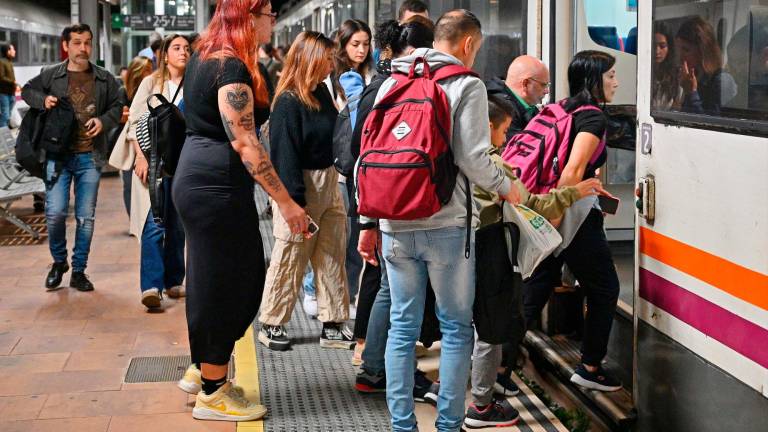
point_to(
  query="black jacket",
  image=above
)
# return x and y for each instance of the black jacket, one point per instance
(53, 81)
(521, 116)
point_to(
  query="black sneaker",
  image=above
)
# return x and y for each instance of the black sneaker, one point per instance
(504, 386)
(496, 414)
(274, 337)
(53, 280)
(80, 282)
(336, 335)
(424, 390)
(366, 382)
(597, 380)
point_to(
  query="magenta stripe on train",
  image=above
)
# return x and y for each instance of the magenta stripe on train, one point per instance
(733, 331)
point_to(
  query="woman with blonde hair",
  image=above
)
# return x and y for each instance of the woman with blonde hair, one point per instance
(226, 101)
(162, 246)
(706, 86)
(301, 135)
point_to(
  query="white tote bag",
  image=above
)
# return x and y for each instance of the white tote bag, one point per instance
(538, 238)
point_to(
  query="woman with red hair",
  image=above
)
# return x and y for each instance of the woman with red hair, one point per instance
(226, 101)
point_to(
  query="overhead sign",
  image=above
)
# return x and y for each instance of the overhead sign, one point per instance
(150, 22)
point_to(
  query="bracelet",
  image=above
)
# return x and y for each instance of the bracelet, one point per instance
(367, 226)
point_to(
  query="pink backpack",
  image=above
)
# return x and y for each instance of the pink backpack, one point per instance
(540, 152)
(406, 169)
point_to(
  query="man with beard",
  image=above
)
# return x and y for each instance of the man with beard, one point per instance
(92, 93)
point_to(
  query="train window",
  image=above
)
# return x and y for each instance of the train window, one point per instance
(613, 24)
(349, 9)
(711, 59)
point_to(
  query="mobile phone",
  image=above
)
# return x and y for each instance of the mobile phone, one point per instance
(608, 204)
(312, 227)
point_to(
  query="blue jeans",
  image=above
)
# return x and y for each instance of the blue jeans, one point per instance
(411, 258)
(59, 175)
(7, 102)
(162, 248)
(309, 282)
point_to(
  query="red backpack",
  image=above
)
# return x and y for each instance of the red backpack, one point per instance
(406, 168)
(540, 152)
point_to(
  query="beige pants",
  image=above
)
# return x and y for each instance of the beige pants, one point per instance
(326, 250)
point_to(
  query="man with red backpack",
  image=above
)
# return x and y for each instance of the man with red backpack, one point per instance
(423, 147)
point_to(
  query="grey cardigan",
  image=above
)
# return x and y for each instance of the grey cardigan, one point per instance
(54, 81)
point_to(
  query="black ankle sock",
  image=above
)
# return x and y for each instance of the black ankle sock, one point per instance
(211, 385)
(197, 365)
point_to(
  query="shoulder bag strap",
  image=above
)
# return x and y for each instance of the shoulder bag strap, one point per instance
(178, 89)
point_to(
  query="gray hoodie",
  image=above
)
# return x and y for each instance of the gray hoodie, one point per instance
(469, 143)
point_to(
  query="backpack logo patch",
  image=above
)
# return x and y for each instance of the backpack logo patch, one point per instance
(401, 130)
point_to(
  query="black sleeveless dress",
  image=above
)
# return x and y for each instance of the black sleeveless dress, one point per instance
(213, 193)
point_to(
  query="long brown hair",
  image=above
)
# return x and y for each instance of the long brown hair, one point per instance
(139, 68)
(700, 34)
(231, 34)
(303, 67)
(342, 63)
(162, 73)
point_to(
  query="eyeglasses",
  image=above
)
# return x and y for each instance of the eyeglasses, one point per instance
(272, 15)
(543, 84)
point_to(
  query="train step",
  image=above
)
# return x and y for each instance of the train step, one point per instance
(561, 356)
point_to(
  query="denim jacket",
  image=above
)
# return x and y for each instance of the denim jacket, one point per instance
(53, 81)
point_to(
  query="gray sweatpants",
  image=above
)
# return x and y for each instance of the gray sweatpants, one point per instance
(486, 359)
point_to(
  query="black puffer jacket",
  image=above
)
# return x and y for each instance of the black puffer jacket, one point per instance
(521, 116)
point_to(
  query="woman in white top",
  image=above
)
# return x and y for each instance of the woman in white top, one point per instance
(162, 247)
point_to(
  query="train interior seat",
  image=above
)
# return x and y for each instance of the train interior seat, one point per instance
(630, 45)
(605, 36)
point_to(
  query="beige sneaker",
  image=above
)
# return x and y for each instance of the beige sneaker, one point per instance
(192, 382)
(226, 404)
(151, 299)
(177, 291)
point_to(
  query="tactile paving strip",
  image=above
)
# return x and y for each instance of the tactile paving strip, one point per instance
(311, 389)
(161, 369)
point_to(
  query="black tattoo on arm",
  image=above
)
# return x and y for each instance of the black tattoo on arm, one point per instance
(238, 97)
(228, 126)
(246, 122)
(266, 171)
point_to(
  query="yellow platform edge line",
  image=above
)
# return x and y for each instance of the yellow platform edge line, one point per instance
(247, 377)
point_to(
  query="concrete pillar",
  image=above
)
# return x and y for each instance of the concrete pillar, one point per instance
(87, 12)
(201, 15)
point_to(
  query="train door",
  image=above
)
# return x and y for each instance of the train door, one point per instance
(702, 299)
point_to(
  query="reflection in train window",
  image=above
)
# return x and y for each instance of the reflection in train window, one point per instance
(711, 57)
(613, 24)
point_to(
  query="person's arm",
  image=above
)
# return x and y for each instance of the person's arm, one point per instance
(285, 136)
(236, 106)
(584, 146)
(33, 93)
(471, 139)
(114, 106)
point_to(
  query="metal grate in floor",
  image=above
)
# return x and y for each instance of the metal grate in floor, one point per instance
(265, 221)
(161, 369)
(310, 389)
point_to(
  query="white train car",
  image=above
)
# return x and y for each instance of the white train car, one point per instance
(35, 30)
(690, 336)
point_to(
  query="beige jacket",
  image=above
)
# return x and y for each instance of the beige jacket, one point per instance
(124, 155)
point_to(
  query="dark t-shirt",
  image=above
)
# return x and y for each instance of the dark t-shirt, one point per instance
(202, 82)
(82, 94)
(593, 122)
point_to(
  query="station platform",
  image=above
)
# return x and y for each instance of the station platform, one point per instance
(72, 361)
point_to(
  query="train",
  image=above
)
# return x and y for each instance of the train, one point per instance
(35, 30)
(690, 240)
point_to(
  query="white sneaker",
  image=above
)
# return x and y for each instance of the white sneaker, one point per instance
(310, 305)
(192, 382)
(226, 404)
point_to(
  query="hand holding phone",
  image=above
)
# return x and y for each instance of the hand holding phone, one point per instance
(608, 204)
(312, 228)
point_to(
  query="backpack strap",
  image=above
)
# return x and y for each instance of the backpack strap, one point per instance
(178, 89)
(451, 71)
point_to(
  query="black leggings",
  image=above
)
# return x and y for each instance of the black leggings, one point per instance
(369, 287)
(589, 258)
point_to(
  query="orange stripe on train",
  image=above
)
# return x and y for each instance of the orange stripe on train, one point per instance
(736, 280)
